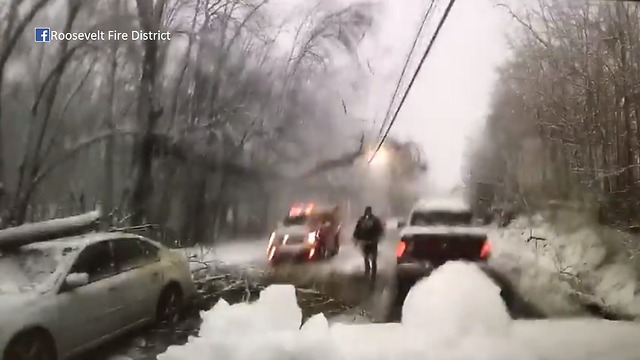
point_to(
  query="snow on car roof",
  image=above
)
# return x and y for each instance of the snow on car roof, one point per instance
(442, 204)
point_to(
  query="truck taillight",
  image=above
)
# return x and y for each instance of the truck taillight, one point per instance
(486, 250)
(402, 246)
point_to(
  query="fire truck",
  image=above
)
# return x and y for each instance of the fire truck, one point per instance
(308, 232)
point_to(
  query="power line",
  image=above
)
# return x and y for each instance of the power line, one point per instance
(415, 75)
(404, 68)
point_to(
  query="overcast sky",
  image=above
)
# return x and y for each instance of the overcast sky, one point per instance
(451, 96)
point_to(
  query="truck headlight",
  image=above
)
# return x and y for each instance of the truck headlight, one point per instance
(311, 238)
(272, 238)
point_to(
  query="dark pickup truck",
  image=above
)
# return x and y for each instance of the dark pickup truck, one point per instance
(433, 236)
(437, 233)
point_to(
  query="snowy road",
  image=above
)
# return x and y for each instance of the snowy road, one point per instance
(252, 252)
(341, 277)
(249, 255)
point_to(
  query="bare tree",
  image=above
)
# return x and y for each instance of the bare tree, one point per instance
(238, 111)
(149, 110)
(569, 100)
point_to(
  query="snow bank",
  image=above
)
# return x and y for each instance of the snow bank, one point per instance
(456, 313)
(575, 263)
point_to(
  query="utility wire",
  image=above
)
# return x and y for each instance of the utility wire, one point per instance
(413, 79)
(404, 69)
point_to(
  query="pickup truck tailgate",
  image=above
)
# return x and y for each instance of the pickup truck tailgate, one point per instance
(437, 248)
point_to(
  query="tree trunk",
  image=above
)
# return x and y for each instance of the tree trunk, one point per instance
(148, 113)
(107, 201)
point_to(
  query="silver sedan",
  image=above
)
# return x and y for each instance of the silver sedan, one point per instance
(63, 297)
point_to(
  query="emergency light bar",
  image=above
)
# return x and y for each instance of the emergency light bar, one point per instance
(298, 210)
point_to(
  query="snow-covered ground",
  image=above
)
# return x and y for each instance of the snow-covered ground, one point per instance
(576, 263)
(340, 277)
(571, 261)
(251, 252)
(443, 318)
(237, 252)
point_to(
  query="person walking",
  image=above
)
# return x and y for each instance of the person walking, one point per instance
(367, 233)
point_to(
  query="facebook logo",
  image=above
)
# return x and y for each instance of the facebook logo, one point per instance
(43, 34)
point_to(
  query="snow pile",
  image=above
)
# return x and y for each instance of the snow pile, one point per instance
(567, 266)
(456, 313)
(268, 329)
(580, 339)
(453, 307)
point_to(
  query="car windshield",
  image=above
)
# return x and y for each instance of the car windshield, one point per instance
(295, 220)
(432, 218)
(26, 269)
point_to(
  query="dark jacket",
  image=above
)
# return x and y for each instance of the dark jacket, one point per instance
(372, 234)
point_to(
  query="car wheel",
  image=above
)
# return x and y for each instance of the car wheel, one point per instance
(31, 345)
(169, 310)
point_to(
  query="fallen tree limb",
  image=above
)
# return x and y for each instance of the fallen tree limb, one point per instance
(345, 160)
(48, 230)
(182, 149)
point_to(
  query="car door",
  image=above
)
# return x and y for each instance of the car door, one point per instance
(138, 267)
(329, 231)
(155, 274)
(89, 313)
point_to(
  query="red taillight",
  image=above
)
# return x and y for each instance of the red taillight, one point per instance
(402, 246)
(486, 250)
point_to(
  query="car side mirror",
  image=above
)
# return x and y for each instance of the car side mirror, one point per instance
(76, 280)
